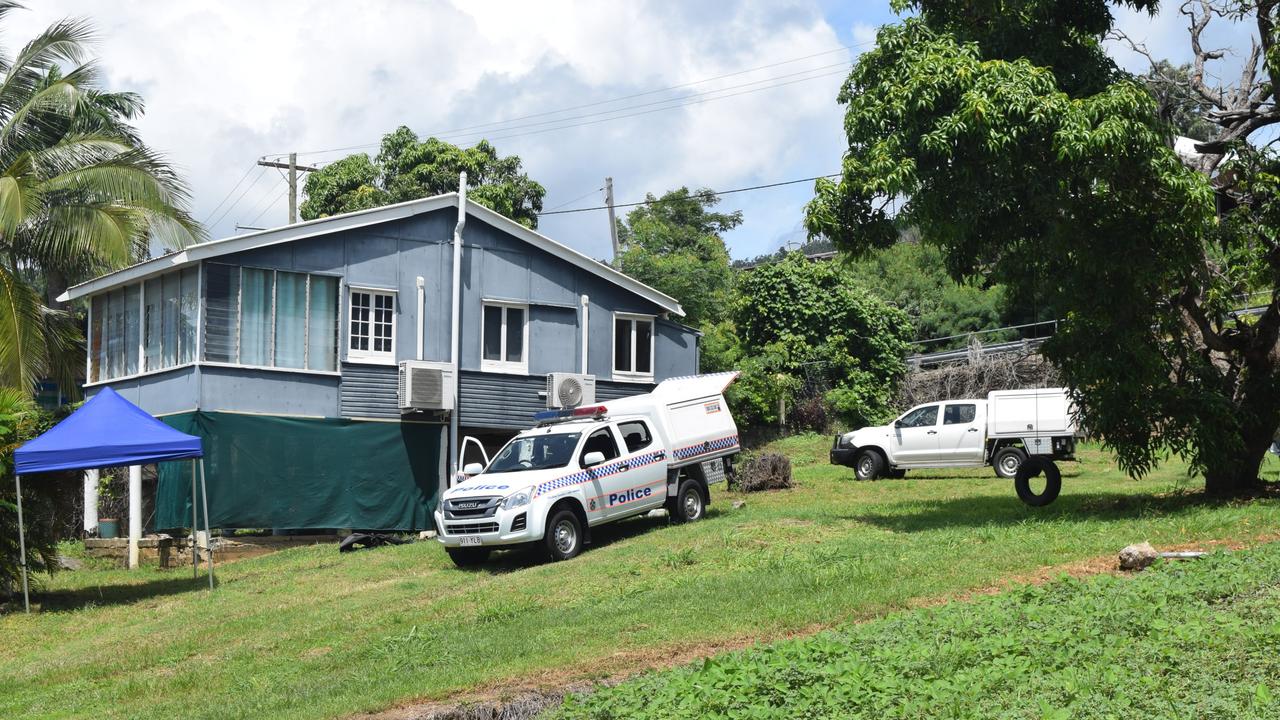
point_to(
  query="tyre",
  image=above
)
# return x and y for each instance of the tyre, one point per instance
(869, 465)
(467, 557)
(562, 538)
(1031, 468)
(690, 503)
(1007, 461)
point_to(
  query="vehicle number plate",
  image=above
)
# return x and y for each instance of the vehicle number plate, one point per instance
(713, 470)
(470, 540)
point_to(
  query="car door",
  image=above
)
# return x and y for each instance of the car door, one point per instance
(915, 436)
(647, 474)
(960, 438)
(601, 476)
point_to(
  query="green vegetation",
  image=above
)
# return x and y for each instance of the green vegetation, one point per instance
(407, 168)
(80, 194)
(310, 633)
(674, 244)
(799, 318)
(1025, 154)
(1180, 640)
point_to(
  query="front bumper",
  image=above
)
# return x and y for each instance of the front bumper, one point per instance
(504, 527)
(842, 455)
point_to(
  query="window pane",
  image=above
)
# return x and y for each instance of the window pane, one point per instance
(115, 334)
(188, 314)
(151, 324)
(170, 285)
(622, 345)
(291, 319)
(515, 335)
(132, 327)
(97, 350)
(644, 346)
(359, 321)
(322, 324)
(492, 332)
(383, 322)
(222, 312)
(255, 317)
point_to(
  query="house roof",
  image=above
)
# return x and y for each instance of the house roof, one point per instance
(348, 221)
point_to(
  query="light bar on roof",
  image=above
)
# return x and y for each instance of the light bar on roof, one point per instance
(586, 411)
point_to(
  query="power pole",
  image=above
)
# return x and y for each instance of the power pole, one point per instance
(294, 168)
(613, 224)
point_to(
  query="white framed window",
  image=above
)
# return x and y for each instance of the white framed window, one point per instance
(633, 347)
(371, 317)
(504, 338)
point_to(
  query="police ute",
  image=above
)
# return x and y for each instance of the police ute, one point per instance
(587, 466)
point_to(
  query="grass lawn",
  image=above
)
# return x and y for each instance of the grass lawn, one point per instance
(310, 633)
(1181, 640)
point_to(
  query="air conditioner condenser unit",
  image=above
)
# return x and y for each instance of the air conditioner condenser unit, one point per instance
(569, 390)
(425, 385)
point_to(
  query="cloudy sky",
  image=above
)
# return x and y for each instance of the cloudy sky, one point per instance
(656, 95)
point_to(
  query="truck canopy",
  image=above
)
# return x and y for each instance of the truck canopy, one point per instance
(689, 414)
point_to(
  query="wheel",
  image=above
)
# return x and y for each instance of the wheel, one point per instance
(1032, 468)
(690, 504)
(869, 465)
(467, 557)
(1007, 461)
(563, 537)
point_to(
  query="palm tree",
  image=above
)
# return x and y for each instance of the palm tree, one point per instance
(80, 194)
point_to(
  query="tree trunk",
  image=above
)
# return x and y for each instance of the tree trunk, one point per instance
(1258, 408)
(55, 285)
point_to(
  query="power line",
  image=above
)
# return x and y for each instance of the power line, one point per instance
(584, 195)
(661, 109)
(680, 101)
(233, 189)
(269, 206)
(464, 129)
(236, 202)
(709, 194)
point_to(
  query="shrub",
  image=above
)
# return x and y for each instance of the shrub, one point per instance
(767, 471)
(43, 497)
(810, 414)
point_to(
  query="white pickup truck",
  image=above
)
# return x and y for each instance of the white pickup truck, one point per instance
(1001, 431)
(591, 465)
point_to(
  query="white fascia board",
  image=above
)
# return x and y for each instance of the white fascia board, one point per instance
(662, 300)
(252, 241)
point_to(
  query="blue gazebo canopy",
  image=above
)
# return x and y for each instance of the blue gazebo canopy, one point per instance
(107, 431)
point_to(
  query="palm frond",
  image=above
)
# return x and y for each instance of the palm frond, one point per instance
(88, 236)
(23, 352)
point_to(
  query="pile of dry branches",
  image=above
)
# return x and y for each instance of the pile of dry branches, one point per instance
(975, 378)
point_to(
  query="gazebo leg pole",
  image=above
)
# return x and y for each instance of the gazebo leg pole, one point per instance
(208, 534)
(22, 546)
(195, 524)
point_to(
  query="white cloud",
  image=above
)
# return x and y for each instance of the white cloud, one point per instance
(228, 82)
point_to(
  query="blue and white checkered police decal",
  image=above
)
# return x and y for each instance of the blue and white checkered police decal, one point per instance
(703, 448)
(598, 472)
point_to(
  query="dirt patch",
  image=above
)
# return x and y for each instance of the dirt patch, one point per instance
(533, 694)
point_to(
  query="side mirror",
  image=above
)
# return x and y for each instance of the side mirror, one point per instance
(592, 459)
(897, 423)
(471, 469)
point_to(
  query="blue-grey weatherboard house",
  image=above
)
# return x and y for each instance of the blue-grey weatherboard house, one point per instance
(280, 349)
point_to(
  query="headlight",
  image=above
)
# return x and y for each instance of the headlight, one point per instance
(846, 441)
(520, 499)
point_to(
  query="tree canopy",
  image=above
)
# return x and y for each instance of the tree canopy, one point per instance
(80, 194)
(1023, 152)
(407, 168)
(799, 318)
(674, 243)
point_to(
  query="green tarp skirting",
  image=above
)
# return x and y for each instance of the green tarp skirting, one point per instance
(292, 473)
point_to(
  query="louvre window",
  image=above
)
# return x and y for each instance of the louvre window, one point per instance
(270, 318)
(144, 327)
